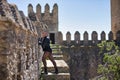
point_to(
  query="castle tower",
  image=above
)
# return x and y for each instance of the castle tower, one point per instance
(55, 22)
(115, 16)
(48, 18)
(51, 19)
(38, 12)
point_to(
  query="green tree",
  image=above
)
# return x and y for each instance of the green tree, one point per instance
(110, 69)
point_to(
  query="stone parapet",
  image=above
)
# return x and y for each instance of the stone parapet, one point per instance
(20, 55)
(18, 51)
(86, 38)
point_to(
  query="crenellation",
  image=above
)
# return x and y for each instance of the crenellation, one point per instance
(38, 12)
(85, 38)
(47, 9)
(30, 9)
(77, 37)
(110, 36)
(31, 13)
(68, 37)
(47, 17)
(55, 6)
(94, 37)
(103, 36)
(86, 41)
(83, 59)
(55, 13)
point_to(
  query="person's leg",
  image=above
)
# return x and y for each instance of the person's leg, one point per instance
(53, 61)
(44, 62)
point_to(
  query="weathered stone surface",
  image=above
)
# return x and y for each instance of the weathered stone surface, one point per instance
(20, 56)
(60, 76)
(49, 18)
(115, 17)
(83, 62)
(3, 71)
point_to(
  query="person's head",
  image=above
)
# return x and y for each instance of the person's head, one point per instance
(44, 33)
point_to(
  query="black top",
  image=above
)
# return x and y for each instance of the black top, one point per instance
(45, 43)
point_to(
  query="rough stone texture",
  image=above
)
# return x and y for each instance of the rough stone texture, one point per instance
(115, 17)
(82, 61)
(60, 38)
(51, 19)
(83, 56)
(68, 37)
(60, 76)
(20, 55)
(86, 41)
(19, 51)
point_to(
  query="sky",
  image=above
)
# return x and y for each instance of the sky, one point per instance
(76, 15)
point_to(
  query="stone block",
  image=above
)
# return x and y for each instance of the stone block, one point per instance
(60, 76)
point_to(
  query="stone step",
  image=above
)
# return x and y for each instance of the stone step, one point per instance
(57, 53)
(59, 76)
(58, 57)
(61, 64)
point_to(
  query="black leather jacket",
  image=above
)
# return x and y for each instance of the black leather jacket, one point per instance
(45, 43)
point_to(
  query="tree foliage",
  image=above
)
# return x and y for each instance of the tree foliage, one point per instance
(110, 68)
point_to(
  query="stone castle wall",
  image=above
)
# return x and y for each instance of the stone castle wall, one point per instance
(83, 56)
(49, 18)
(85, 42)
(19, 51)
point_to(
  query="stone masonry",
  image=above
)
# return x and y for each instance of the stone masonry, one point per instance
(20, 54)
(82, 56)
(51, 19)
(115, 17)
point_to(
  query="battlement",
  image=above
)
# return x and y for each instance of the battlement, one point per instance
(50, 18)
(94, 38)
(43, 16)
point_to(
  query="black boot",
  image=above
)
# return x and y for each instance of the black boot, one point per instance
(45, 71)
(56, 70)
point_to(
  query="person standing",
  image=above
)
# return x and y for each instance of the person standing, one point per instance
(45, 43)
